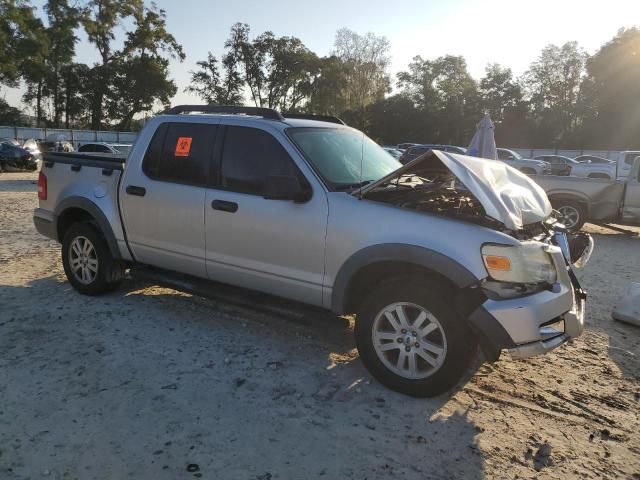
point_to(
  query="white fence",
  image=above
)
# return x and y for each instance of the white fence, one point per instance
(74, 136)
(534, 152)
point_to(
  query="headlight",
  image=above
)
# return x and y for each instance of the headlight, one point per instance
(527, 262)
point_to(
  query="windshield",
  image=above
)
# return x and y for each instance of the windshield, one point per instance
(344, 158)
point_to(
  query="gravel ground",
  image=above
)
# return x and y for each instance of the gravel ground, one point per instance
(149, 382)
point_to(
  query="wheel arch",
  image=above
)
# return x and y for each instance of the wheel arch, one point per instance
(77, 209)
(377, 262)
(576, 197)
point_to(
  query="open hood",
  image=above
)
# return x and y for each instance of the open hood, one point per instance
(507, 195)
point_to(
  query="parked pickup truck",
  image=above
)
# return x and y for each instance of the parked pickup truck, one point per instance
(434, 257)
(579, 200)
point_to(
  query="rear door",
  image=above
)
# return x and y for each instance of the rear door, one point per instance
(631, 206)
(162, 198)
(275, 246)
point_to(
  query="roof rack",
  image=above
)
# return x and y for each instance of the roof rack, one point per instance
(227, 109)
(310, 116)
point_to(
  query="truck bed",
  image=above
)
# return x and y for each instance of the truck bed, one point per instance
(602, 196)
(88, 181)
(81, 159)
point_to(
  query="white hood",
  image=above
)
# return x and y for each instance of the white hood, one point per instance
(506, 194)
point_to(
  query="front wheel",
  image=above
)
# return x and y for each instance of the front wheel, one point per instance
(411, 339)
(573, 215)
(88, 262)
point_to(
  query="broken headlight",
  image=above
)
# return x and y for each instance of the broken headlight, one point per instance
(526, 263)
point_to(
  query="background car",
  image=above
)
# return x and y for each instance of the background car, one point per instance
(404, 146)
(560, 165)
(394, 152)
(592, 159)
(417, 150)
(13, 157)
(525, 165)
(104, 148)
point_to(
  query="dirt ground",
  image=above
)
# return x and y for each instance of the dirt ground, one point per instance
(148, 382)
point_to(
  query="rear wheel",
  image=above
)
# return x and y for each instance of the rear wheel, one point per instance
(411, 339)
(88, 262)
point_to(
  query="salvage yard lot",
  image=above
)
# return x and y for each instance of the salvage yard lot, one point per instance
(148, 382)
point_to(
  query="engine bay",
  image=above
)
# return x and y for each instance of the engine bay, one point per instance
(437, 193)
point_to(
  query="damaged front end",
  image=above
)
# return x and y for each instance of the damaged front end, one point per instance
(530, 289)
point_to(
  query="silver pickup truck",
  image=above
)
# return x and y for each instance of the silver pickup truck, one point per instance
(434, 257)
(579, 200)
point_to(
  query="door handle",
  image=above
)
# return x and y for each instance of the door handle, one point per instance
(138, 191)
(224, 206)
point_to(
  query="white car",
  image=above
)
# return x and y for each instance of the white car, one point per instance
(562, 165)
(104, 148)
(525, 165)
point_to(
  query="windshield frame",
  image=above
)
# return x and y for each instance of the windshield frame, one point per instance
(329, 185)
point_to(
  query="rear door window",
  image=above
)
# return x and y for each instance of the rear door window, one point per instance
(181, 153)
(630, 157)
(86, 148)
(249, 156)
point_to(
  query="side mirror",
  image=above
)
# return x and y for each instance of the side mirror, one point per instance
(285, 187)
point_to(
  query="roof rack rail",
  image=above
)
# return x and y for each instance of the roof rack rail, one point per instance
(311, 116)
(227, 109)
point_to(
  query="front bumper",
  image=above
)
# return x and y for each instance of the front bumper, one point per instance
(538, 323)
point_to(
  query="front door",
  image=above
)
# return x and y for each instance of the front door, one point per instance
(163, 198)
(275, 246)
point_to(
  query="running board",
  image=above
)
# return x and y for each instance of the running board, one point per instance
(228, 294)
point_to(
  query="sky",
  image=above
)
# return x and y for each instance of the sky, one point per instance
(509, 32)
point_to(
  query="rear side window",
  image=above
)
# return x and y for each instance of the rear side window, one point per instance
(86, 148)
(249, 156)
(181, 153)
(630, 158)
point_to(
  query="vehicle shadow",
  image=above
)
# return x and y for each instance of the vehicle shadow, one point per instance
(10, 183)
(147, 373)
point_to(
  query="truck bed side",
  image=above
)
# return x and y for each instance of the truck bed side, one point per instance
(82, 187)
(601, 197)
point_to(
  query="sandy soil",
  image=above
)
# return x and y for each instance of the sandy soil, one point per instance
(149, 382)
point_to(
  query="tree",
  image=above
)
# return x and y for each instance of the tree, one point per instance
(75, 78)
(553, 84)
(329, 86)
(63, 19)
(100, 19)
(141, 70)
(278, 71)
(14, 14)
(613, 88)
(499, 91)
(33, 54)
(207, 84)
(444, 88)
(367, 59)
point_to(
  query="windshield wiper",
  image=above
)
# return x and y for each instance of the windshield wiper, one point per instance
(352, 186)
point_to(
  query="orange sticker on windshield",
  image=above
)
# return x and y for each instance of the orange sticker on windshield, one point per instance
(183, 147)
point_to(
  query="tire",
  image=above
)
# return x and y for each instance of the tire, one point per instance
(448, 334)
(573, 214)
(94, 271)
